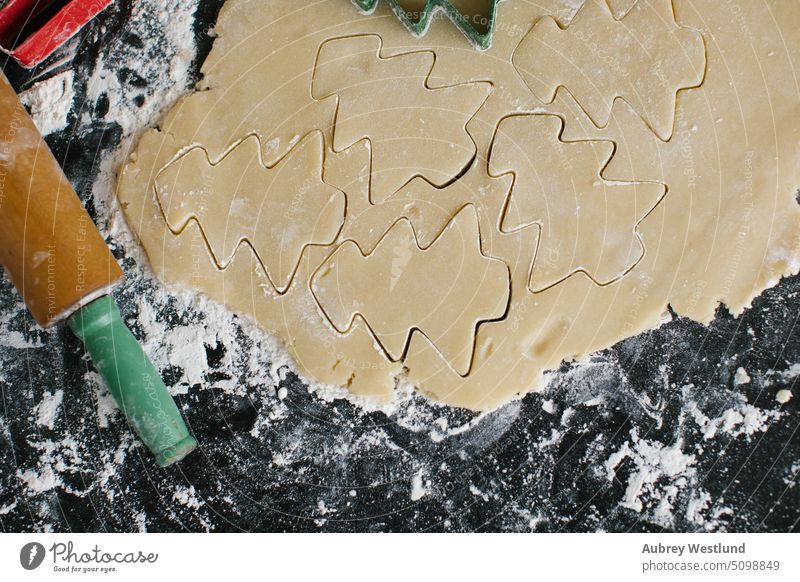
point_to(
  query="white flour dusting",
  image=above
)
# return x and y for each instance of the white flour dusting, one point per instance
(48, 408)
(133, 106)
(792, 373)
(187, 496)
(419, 488)
(104, 404)
(742, 419)
(653, 461)
(8, 508)
(741, 377)
(16, 340)
(171, 30)
(659, 475)
(697, 506)
(50, 102)
(13, 338)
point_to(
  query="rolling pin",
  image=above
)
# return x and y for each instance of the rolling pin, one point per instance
(62, 268)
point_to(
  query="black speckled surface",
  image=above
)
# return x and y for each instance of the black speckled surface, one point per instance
(615, 444)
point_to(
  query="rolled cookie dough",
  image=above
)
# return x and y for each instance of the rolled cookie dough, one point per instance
(697, 103)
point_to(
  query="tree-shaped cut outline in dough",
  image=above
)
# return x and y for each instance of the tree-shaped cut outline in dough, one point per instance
(443, 291)
(587, 224)
(415, 129)
(644, 58)
(237, 200)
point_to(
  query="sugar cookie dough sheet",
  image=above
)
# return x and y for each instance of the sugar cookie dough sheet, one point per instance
(398, 207)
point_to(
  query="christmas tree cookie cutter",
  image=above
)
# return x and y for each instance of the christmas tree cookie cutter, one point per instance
(478, 29)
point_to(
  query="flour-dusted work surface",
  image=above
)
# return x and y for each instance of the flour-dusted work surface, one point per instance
(684, 428)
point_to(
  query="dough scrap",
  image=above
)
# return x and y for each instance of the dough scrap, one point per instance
(443, 291)
(645, 58)
(586, 224)
(728, 227)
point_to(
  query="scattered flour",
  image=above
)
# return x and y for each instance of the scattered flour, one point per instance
(477, 492)
(182, 346)
(141, 522)
(8, 508)
(105, 406)
(792, 373)
(419, 487)
(50, 102)
(40, 481)
(15, 340)
(653, 461)
(12, 338)
(794, 473)
(187, 496)
(55, 459)
(741, 377)
(48, 409)
(171, 32)
(742, 419)
(661, 477)
(697, 505)
(168, 36)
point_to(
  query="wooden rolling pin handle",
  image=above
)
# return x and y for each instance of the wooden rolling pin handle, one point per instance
(62, 267)
(53, 252)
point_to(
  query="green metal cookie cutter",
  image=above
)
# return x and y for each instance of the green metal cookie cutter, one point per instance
(479, 33)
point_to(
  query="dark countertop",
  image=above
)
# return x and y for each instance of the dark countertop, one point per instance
(650, 435)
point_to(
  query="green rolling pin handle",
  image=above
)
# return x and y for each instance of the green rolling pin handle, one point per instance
(133, 380)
